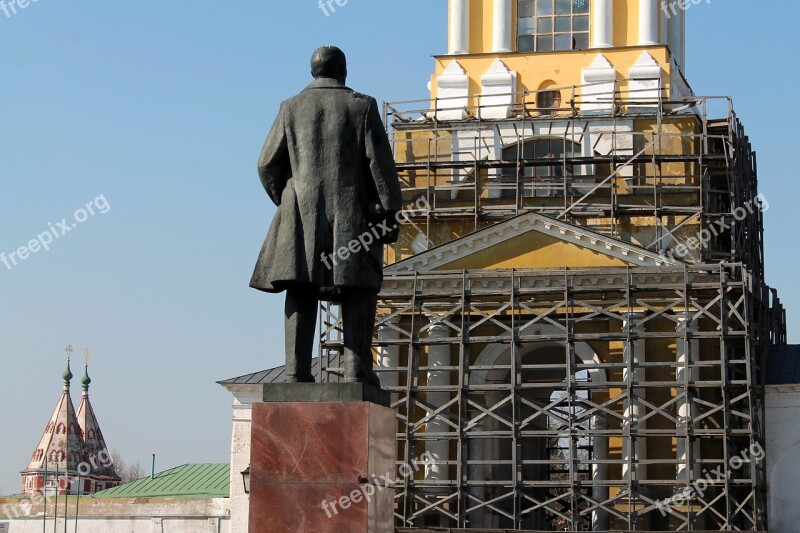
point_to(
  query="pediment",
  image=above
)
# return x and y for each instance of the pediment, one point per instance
(531, 241)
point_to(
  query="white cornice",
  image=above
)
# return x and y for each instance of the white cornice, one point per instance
(246, 393)
(496, 234)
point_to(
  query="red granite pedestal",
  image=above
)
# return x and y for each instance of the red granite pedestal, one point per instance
(313, 463)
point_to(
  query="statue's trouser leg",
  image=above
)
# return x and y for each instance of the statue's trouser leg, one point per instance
(358, 316)
(300, 323)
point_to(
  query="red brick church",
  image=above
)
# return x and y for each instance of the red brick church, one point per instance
(72, 457)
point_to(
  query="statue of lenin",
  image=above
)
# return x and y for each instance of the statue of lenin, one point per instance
(328, 166)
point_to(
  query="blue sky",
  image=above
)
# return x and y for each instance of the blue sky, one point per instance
(161, 108)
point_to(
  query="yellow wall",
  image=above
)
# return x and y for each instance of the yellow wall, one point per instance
(480, 33)
(564, 68)
(533, 250)
(626, 22)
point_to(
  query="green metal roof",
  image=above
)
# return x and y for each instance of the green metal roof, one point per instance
(187, 481)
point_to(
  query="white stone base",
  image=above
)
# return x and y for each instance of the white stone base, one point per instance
(499, 91)
(645, 83)
(599, 80)
(453, 93)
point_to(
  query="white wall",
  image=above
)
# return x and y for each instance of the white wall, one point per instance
(158, 515)
(783, 457)
(128, 525)
(244, 398)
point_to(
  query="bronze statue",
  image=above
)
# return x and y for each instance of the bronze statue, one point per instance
(328, 166)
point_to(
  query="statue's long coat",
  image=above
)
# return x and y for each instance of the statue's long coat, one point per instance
(326, 157)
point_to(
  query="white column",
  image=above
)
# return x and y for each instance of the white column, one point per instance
(634, 354)
(675, 36)
(502, 26)
(587, 151)
(388, 357)
(439, 449)
(493, 183)
(476, 473)
(459, 27)
(602, 23)
(240, 460)
(648, 22)
(682, 40)
(244, 398)
(492, 451)
(685, 356)
(600, 493)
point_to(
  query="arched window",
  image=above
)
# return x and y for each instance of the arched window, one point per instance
(548, 25)
(61, 428)
(548, 102)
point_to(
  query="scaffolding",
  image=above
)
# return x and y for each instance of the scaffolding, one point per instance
(658, 164)
(583, 399)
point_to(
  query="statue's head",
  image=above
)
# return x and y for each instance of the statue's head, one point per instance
(329, 62)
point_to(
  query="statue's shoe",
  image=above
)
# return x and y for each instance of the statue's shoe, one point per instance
(371, 378)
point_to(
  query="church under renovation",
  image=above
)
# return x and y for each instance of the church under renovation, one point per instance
(575, 324)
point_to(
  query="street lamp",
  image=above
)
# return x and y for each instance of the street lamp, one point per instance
(246, 479)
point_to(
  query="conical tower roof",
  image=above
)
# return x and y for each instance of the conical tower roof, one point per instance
(93, 441)
(61, 445)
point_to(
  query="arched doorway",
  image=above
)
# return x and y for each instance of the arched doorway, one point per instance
(554, 439)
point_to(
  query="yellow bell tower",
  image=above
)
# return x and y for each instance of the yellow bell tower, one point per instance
(530, 45)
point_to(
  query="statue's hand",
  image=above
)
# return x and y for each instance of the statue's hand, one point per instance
(375, 210)
(378, 215)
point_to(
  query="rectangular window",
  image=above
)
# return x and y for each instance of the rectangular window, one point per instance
(547, 25)
(538, 180)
